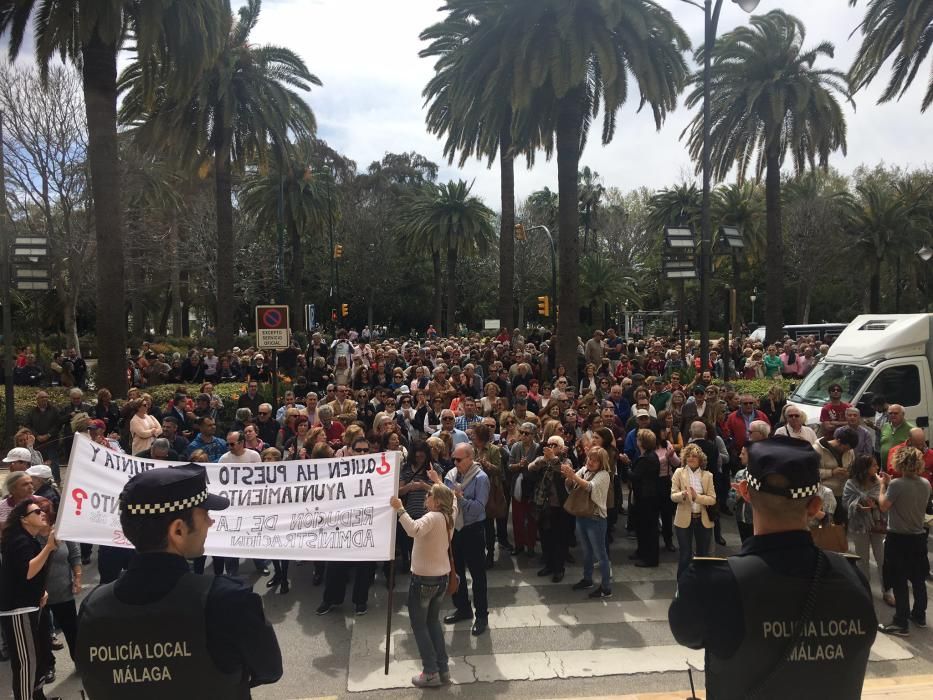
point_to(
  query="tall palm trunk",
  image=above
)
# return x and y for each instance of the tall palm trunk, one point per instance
(774, 278)
(175, 274)
(438, 284)
(451, 288)
(507, 228)
(99, 70)
(223, 194)
(569, 124)
(295, 272)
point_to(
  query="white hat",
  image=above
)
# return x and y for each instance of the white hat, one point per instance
(40, 470)
(642, 413)
(18, 454)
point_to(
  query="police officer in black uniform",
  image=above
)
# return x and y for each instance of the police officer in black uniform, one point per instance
(783, 618)
(161, 631)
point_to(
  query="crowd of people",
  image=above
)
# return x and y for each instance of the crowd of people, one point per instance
(503, 454)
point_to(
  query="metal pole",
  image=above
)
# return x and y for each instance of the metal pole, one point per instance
(280, 243)
(706, 227)
(9, 424)
(550, 240)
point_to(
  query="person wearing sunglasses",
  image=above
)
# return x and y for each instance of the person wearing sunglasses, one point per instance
(22, 588)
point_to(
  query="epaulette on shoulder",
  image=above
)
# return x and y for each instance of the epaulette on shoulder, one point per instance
(851, 558)
(709, 560)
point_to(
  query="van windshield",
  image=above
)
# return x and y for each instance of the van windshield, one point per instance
(814, 389)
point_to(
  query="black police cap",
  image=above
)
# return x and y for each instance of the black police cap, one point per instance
(169, 490)
(794, 460)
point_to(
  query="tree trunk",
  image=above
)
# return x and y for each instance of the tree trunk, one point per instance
(774, 277)
(99, 71)
(569, 123)
(438, 285)
(223, 192)
(175, 277)
(451, 289)
(507, 228)
(296, 271)
(874, 287)
(166, 314)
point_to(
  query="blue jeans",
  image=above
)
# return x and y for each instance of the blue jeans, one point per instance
(685, 538)
(592, 532)
(425, 595)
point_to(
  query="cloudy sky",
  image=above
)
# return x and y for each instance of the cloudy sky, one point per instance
(366, 53)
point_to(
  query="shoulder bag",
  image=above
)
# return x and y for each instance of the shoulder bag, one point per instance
(453, 580)
(579, 504)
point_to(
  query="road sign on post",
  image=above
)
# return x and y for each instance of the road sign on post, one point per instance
(272, 327)
(310, 316)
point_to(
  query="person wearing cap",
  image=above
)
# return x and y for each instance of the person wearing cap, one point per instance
(43, 485)
(19, 459)
(782, 618)
(214, 637)
(695, 409)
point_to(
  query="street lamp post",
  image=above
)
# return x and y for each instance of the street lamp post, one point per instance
(926, 255)
(753, 296)
(711, 22)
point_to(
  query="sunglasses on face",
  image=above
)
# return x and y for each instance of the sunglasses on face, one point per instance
(33, 512)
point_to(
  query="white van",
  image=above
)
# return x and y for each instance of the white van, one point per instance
(877, 354)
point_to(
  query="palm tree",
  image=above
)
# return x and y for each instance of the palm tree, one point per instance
(901, 30)
(542, 205)
(447, 218)
(601, 284)
(884, 219)
(562, 63)
(741, 205)
(290, 192)
(591, 194)
(675, 206)
(90, 33)
(767, 98)
(243, 108)
(476, 123)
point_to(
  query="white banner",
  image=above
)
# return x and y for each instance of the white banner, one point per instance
(319, 510)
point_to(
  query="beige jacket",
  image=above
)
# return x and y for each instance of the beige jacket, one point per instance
(680, 489)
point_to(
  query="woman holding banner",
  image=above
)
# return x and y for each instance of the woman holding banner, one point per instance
(430, 567)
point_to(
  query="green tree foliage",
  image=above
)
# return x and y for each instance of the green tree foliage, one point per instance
(245, 107)
(900, 31)
(767, 99)
(446, 218)
(90, 33)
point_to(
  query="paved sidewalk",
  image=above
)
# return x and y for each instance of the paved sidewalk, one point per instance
(904, 688)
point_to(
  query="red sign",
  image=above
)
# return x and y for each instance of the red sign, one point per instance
(272, 317)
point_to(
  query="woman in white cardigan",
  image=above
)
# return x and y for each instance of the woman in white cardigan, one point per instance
(430, 567)
(693, 491)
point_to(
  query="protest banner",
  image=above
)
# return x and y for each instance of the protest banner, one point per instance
(321, 510)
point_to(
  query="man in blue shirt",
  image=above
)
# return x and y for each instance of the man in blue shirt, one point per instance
(448, 423)
(207, 441)
(470, 484)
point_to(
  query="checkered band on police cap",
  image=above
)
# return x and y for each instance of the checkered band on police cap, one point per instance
(793, 463)
(170, 507)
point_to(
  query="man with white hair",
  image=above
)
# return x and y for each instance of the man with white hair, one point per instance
(470, 485)
(448, 424)
(866, 437)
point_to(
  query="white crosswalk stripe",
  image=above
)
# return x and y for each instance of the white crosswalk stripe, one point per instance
(575, 637)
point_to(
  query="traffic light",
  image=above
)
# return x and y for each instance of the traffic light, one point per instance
(520, 233)
(338, 251)
(344, 310)
(544, 306)
(333, 314)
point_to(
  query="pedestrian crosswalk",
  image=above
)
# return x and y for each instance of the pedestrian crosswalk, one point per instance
(542, 630)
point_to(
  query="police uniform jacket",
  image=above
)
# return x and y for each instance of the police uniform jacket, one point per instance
(241, 644)
(747, 611)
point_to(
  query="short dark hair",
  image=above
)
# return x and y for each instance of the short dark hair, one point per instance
(847, 436)
(149, 533)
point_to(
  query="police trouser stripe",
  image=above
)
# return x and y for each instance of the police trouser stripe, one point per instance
(25, 645)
